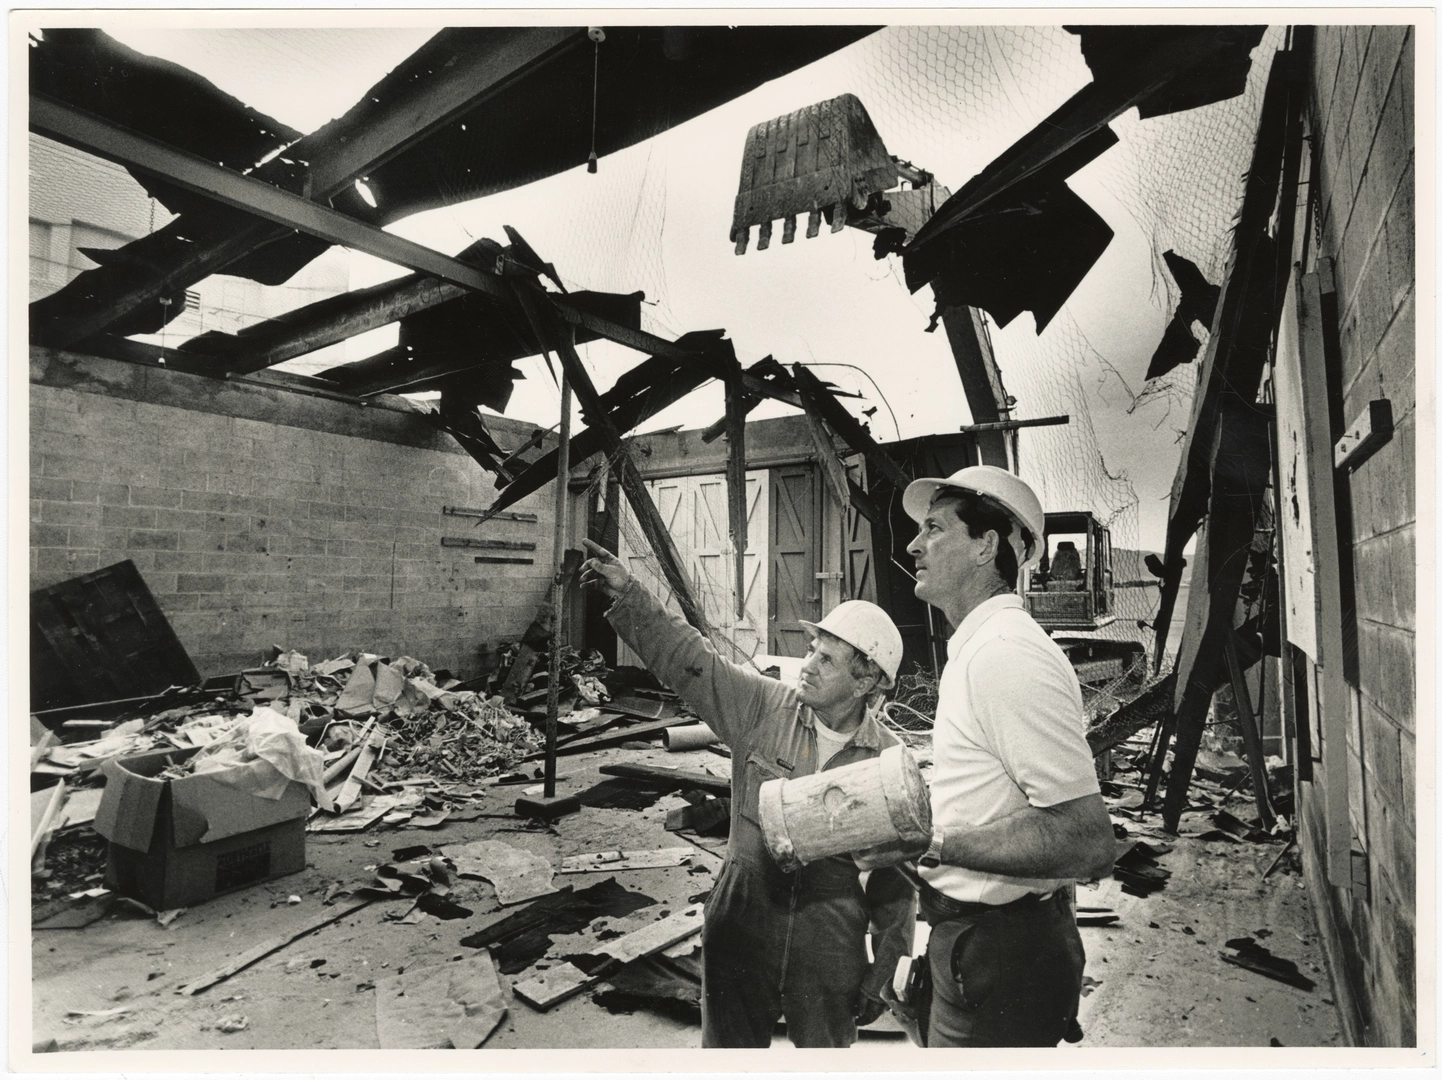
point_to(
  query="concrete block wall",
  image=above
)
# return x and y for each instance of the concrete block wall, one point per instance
(260, 516)
(1362, 122)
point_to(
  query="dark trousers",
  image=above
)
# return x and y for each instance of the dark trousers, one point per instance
(1009, 975)
(768, 953)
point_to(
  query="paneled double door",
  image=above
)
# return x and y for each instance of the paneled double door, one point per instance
(783, 557)
(694, 510)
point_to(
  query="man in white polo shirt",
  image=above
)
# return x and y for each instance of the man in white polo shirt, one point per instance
(1017, 811)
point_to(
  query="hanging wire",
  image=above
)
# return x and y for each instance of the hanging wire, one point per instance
(597, 35)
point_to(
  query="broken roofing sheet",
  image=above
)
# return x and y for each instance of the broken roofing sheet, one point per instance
(1036, 239)
(641, 81)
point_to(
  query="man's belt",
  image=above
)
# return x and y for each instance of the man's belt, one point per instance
(938, 907)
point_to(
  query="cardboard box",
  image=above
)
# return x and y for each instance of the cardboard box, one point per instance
(175, 843)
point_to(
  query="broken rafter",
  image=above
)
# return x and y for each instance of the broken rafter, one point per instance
(818, 397)
(315, 326)
(364, 139)
(1235, 341)
(640, 394)
(531, 299)
(87, 132)
(1084, 114)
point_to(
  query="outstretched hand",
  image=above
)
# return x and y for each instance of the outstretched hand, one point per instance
(604, 571)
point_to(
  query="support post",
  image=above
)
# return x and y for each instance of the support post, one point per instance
(558, 592)
(736, 407)
(1251, 737)
(648, 517)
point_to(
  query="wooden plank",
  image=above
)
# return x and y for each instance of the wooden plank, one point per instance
(48, 818)
(350, 791)
(597, 861)
(1332, 704)
(490, 545)
(679, 778)
(265, 948)
(552, 987)
(316, 326)
(334, 770)
(466, 511)
(615, 738)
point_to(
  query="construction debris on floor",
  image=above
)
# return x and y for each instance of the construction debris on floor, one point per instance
(386, 871)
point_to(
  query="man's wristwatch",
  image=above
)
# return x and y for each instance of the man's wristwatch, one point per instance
(933, 853)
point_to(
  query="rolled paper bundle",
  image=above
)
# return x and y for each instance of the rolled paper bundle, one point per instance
(690, 737)
(879, 806)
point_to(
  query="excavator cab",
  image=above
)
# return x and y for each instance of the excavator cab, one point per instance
(1071, 590)
(1072, 587)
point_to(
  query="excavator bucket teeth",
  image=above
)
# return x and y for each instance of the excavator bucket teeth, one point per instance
(825, 156)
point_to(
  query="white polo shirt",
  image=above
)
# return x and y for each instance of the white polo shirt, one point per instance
(1010, 733)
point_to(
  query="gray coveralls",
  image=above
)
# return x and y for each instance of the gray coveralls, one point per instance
(774, 943)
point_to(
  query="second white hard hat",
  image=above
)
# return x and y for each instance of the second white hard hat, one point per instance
(1009, 491)
(867, 629)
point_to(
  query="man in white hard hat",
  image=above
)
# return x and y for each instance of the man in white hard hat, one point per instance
(775, 943)
(1016, 808)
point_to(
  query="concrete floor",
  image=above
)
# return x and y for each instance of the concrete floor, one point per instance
(1155, 985)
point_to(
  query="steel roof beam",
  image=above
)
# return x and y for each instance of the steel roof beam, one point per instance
(342, 151)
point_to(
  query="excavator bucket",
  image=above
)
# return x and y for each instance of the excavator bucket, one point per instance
(825, 159)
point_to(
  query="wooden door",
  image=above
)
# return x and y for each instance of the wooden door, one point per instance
(694, 510)
(860, 583)
(794, 592)
(714, 563)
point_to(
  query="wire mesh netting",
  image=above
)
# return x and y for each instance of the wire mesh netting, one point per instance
(951, 99)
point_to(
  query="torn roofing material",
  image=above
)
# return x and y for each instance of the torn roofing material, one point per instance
(466, 338)
(1111, 51)
(92, 71)
(1020, 201)
(475, 96)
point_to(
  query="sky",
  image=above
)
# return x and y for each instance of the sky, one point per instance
(657, 217)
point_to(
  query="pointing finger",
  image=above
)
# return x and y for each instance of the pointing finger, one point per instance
(598, 551)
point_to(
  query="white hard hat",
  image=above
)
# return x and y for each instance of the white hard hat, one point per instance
(868, 630)
(1007, 490)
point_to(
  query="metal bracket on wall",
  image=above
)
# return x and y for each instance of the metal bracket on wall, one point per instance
(1364, 436)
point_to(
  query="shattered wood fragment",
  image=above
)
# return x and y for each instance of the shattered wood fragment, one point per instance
(265, 948)
(552, 987)
(350, 791)
(669, 778)
(614, 738)
(708, 818)
(521, 938)
(624, 860)
(1244, 952)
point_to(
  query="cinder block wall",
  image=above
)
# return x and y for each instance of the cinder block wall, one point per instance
(263, 516)
(1362, 120)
